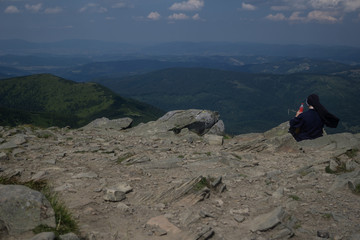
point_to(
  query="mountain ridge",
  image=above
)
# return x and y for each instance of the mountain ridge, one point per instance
(44, 99)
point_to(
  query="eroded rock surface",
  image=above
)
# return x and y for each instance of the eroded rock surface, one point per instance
(180, 186)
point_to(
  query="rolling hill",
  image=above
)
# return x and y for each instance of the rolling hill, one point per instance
(46, 100)
(246, 102)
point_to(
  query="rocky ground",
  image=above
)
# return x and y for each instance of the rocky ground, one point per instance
(138, 184)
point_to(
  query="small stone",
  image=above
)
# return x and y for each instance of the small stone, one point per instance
(204, 214)
(205, 233)
(69, 236)
(124, 187)
(239, 219)
(216, 181)
(214, 139)
(267, 221)
(323, 234)
(44, 236)
(3, 156)
(114, 195)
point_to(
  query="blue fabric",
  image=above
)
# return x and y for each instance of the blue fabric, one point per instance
(307, 125)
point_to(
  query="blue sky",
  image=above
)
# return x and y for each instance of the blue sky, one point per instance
(328, 22)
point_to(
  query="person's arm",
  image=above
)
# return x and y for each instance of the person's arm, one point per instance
(297, 121)
(298, 113)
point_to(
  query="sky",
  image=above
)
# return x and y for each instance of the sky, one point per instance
(326, 22)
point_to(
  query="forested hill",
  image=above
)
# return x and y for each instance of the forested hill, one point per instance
(46, 100)
(246, 102)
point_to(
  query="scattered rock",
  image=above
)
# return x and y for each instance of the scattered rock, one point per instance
(44, 236)
(267, 221)
(323, 234)
(114, 195)
(3, 156)
(69, 236)
(214, 139)
(105, 123)
(156, 169)
(163, 223)
(205, 233)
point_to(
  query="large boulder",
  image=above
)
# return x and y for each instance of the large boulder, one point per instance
(105, 123)
(195, 120)
(22, 209)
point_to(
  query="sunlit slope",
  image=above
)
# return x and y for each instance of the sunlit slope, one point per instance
(47, 100)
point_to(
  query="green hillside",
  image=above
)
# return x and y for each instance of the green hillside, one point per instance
(46, 100)
(246, 102)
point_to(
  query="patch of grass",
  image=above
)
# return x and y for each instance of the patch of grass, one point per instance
(44, 134)
(294, 197)
(327, 216)
(328, 170)
(181, 156)
(242, 175)
(297, 226)
(204, 182)
(356, 189)
(227, 136)
(208, 154)
(269, 182)
(65, 223)
(124, 157)
(352, 152)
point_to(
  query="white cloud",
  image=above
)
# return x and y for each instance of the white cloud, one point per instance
(92, 7)
(351, 5)
(102, 10)
(322, 16)
(11, 9)
(276, 17)
(247, 6)
(119, 5)
(190, 5)
(178, 16)
(196, 17)
(280, 8)
(323, 4)
(53, 10)
(154, 16)
(295, 16)
(33, 8)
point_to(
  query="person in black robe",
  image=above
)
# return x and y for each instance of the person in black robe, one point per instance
(310, 124)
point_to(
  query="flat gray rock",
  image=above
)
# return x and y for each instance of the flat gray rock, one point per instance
(22, 209)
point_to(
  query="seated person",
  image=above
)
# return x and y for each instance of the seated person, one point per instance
(310, 124)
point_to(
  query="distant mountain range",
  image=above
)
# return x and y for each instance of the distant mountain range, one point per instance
(253, 86)
(84, 70)
(46, 100)
(99, 48)
(247, 102)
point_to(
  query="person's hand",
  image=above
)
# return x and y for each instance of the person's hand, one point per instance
(298, 113)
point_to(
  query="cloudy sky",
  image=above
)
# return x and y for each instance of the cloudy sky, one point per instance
(329, 22)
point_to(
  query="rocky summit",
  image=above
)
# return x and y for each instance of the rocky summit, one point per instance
(181, 178)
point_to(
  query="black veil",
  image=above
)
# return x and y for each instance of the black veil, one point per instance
(329, 119)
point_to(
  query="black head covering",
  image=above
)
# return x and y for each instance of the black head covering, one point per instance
(329, 119)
